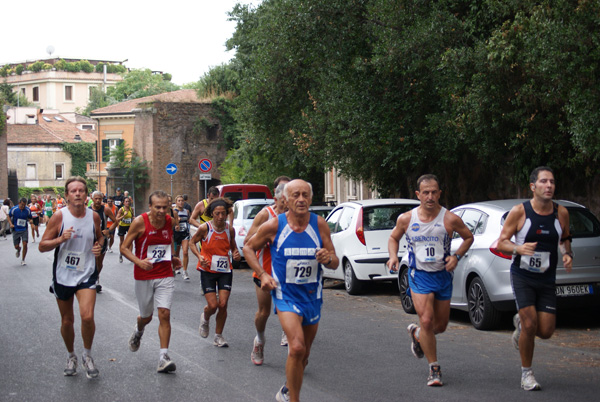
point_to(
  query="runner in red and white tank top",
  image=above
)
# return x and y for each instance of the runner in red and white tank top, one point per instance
(264, 258)
(153, 269)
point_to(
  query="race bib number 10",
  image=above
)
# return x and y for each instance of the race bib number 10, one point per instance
(159, 253)
(430, 252)
(301, 272)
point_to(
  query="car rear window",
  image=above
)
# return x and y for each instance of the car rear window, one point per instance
(251, 211)
(582, 223)
(383, 217)
(233, 196)
(256, 194)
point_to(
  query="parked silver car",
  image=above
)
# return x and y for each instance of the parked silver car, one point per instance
(244, 212)
(359, 232)
(481, 282)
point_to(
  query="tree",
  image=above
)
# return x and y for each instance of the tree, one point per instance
(98, 99)
(140, 83)
(129, 166)
(10, 97)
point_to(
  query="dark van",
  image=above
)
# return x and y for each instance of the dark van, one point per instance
(244, 191)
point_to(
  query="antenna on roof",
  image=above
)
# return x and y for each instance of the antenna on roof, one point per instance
(50, 50)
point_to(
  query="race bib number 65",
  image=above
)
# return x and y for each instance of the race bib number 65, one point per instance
(538, 262)
(301, 272)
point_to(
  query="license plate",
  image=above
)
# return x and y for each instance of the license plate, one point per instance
(573, 290)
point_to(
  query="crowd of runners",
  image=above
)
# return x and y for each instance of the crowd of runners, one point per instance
(286, 247)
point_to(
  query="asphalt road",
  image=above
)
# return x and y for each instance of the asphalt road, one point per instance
(361, 353)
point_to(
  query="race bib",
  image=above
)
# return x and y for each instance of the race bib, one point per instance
(21, 222)
(183, 227)
(538, 262)
(128, 220)
(33, 214)
(220, 263)
(75, 261)
(159, 253)
(301, 272)
(429, 252)
(117, 203)
(49, 208)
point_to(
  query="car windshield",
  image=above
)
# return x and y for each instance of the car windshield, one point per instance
(383, 217)
(251, 211)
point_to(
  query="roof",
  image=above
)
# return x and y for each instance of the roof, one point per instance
(47, 132)
(181, 96)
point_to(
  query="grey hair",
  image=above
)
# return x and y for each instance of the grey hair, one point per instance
(95, 193)
(286, 192)
(279, 190)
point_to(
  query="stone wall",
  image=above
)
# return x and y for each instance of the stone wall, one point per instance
(183, 134)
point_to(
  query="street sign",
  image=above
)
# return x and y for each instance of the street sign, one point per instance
(171, 168)
(205, 165)
(205, 176)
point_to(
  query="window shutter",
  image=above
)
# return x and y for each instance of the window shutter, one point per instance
(105, 151)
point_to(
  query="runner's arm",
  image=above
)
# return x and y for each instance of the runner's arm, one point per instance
(198, 211)
(136, 230)
(50, 239)
(265, 234)
(511, 226)
(199, 235)
(259, 219)
(565, 242)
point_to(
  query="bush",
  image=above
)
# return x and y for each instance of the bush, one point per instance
(19, 69)
(74, 67)
(47, 66)
(86, 66)
(36, 67)
(60, 65)
(100, 67)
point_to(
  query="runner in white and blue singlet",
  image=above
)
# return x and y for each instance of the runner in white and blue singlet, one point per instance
(428, 229)
(300, 244)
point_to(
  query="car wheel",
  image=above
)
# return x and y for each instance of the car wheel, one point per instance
(352, 284)
(482, 313)
(407, 303)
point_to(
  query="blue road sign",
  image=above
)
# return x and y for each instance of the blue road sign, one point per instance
(171, 168)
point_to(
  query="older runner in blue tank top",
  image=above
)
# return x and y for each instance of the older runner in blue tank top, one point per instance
(300, 244)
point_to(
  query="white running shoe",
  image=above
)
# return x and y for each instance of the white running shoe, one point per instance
(220, 342)
(517, 332)
(257, 355)
(110, 250)
(528, 382)
(186, 277)
(203, 327)
(71, 368)
(90, 368)
(23, 262)
(283, 394)
(165, 364)
(284, 341)
(435, 377)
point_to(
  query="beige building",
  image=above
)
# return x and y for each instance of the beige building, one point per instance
(60, 90)
(34, 146)
(339, 188)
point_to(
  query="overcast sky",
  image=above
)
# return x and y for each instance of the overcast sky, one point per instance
(181, 37)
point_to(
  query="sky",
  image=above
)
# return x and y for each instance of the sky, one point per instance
(182, 37)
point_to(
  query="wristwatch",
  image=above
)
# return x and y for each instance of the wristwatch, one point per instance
(458, 256)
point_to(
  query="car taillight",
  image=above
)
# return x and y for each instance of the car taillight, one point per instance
(495, 251)
(242, 231)
(360, 233)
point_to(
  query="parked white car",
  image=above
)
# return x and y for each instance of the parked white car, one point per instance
(481, 284)
(360, 231)
(244, 212)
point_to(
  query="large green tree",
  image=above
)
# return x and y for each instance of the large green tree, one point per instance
(478, 92)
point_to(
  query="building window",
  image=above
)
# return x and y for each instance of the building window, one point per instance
(24, 91)
(108, 146)
(352, 189)
(90, 90)
(31, 171)
(36, 94)
(59, 169)
(87, 126)
(68, 92)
